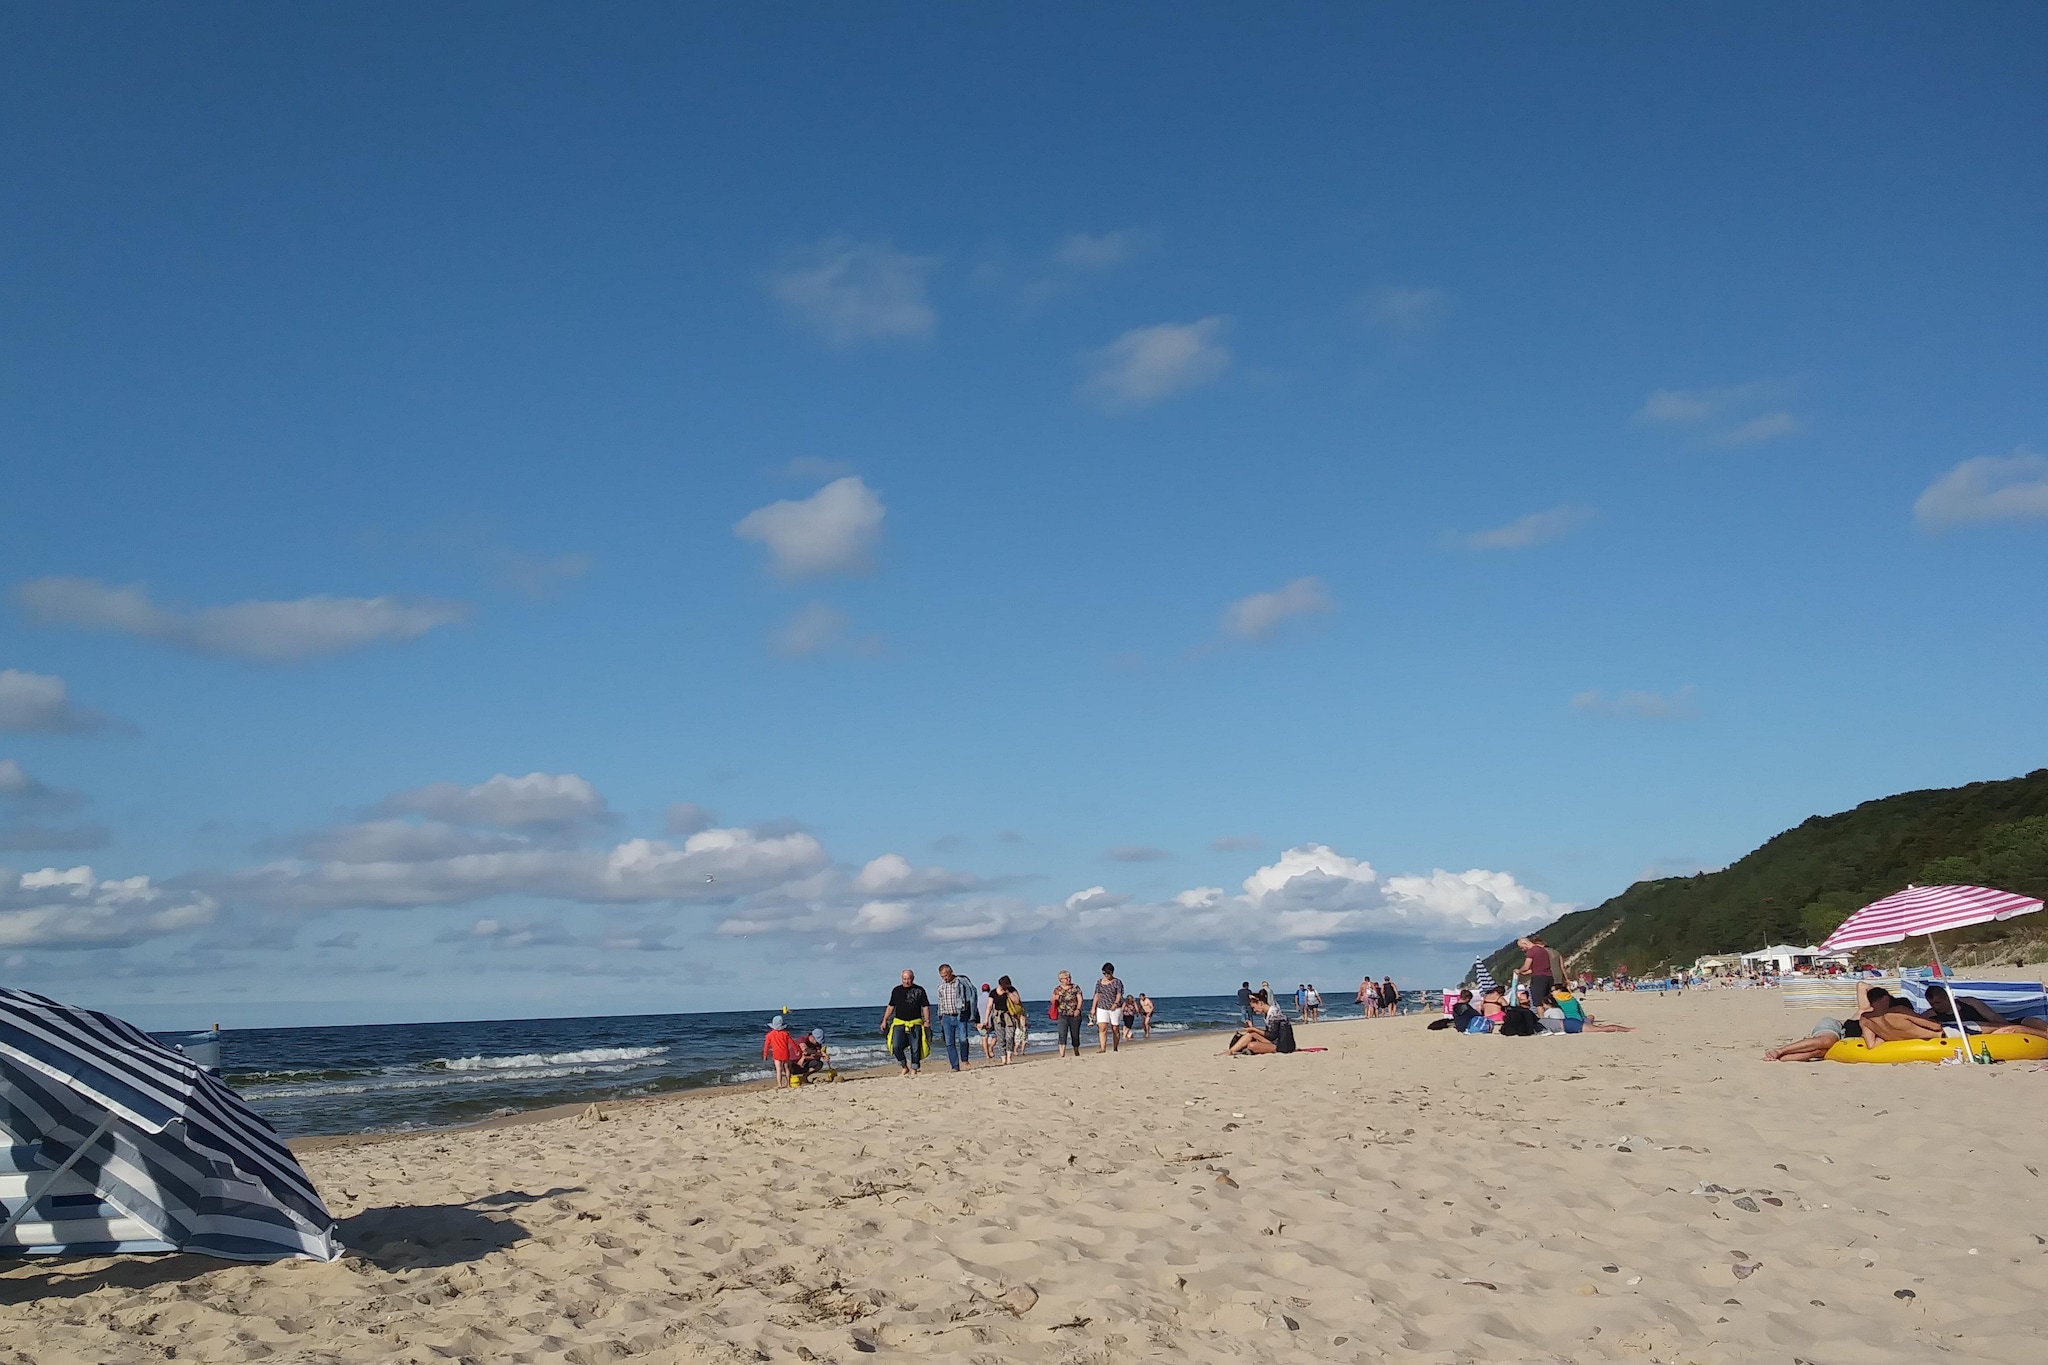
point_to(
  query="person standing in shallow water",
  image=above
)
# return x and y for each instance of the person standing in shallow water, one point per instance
(907, 1023)
(1109, 1009)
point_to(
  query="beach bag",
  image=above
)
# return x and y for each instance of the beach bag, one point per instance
(1482, 1024)
(1521, 1022)
(1052, 1011)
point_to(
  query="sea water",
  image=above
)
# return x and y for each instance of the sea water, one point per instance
(393, 1077)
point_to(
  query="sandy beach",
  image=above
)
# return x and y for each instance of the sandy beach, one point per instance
(1663, 1195)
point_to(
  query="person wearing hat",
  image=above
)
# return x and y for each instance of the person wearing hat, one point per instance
(777, 1048)
(812, 1059)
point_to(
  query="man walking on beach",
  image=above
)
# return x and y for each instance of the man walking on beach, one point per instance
(907, 1022)
(956, 1016)
(1109, 1009)
(1244, 1000)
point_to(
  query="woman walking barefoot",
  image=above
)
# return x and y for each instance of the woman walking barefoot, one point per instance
(1066, 1003)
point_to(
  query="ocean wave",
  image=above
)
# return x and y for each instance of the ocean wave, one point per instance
(242, 1080)
(396, 1082)
(527, 1061)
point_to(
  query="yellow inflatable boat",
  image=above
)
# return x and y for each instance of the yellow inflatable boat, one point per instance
(2003, 1047)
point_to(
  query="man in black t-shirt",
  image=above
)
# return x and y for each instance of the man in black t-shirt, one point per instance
(907, 1023)
(1244, 1001)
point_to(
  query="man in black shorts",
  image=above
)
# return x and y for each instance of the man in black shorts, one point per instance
(907, 1023)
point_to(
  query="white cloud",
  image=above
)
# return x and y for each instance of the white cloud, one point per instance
(72, 908)
(1537, 528)
(1312, 894)
(892, 875)
(834, 530)
(269, 632)
(38, 703)
(1098, 250)
(1259, 615)
(881, 917)
(1408, 310)
(537, 800)
(1642, 705)
(1988, 488)
(1767, 427)
(848, 292)
(1148, 364)
(1095, 898)
(1741, 414)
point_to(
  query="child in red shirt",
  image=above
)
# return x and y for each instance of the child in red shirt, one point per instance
(776, 1048)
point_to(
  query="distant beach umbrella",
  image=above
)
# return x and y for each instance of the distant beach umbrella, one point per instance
(117, 1143)
(1482, 978)
(1928, 910)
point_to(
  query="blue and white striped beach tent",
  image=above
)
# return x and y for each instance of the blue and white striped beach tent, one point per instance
(116, 1143)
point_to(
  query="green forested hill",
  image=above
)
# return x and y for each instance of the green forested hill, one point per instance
(1800, 885)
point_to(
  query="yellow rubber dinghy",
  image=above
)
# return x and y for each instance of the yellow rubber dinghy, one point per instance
(2004, 1047)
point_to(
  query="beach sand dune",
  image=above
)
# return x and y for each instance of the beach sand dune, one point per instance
(1657, 1196)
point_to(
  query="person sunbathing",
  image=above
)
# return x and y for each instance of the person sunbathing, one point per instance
(1978, 1017)
(1885, 1018)
(1814, 1046)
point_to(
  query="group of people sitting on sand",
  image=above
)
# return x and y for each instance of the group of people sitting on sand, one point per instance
(1885, 1018)
(1555, 1010)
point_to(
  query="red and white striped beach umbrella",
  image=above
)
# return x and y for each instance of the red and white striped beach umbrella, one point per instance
(1926, 910)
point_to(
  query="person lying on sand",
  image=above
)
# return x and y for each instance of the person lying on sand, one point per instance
(1977, 1016)
(1814, 1046)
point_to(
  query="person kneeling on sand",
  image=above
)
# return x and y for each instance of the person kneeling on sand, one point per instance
(812, 1058)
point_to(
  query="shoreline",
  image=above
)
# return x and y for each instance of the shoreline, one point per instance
(554, 1113)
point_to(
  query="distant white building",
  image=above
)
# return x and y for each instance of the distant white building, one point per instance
(1786, 958)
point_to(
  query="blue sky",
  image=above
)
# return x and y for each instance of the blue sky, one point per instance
(513, 510)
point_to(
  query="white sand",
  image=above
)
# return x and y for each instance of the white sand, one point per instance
(1406, 1195)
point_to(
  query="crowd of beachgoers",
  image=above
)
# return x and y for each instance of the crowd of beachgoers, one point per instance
(959, 1019)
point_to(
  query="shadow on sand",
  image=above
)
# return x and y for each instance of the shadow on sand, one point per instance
(416, 1236)
(401, 1237)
